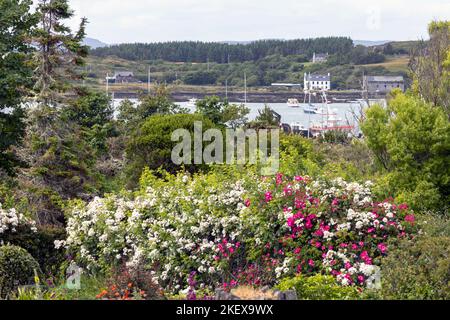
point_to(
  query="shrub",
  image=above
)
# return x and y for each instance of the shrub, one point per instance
(151, 144)
(318, 287)
(17, 267)
(411, 139)
(40, 244)
(233, 228)
(419, 269)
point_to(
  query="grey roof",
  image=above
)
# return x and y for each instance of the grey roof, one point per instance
(124, 74)
(385, 78)
(318, 77)
(321, 55)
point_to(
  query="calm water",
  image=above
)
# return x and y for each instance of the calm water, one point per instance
(289, 114)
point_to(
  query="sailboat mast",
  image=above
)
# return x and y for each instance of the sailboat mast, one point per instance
(149, 80)
(226, 89)
(245, 87)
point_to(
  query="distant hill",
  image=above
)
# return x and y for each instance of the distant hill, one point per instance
(368, 43)
(198, 52)
(94, 43)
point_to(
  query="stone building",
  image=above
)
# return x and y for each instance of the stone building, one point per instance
(383, 84)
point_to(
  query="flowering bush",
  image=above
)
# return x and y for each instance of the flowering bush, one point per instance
(10, 220)
(240, 230)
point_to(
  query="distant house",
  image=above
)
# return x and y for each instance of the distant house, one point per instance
(317, 82)
(383, 84)
(320, 57)
(122, 77)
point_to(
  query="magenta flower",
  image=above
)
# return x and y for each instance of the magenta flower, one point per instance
(268, 196)
(410, 218)
(361, 279)
(382, 247)
(247, 203)
(311, 262)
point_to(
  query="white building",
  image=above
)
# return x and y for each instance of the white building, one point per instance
(317, 82)
(320, 57)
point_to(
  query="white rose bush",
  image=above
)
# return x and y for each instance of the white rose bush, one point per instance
(231, 229)
(11, 220)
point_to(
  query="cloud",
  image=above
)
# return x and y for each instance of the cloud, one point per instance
(117, 21)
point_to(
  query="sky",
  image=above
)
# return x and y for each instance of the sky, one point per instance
(119, 21)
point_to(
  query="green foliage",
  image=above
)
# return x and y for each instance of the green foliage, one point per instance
(319, 287)
(266, 119)
(16, 23)
(59, 165)
(151, 144)
(418, 269)
(190, 51)
(430, 66)
(411, 139)
(200, 78)
(131, 116)
(59, 50)
(90, 109)
(220, 112)
(40, 245)
(17, 267)
(297, 155)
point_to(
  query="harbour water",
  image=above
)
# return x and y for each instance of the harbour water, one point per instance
(345, 112)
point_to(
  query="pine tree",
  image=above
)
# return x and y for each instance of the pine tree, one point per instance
(15, 24)
(59, 160)
(59, 51)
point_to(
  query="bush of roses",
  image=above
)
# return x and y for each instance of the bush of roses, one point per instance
(231, 228)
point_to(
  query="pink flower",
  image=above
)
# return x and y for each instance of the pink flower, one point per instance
(348, 265)
(382, 247)
(279, 179)
(308, 224)
(231, 250)
(361, 279)
(410, 218)
(370, 230)
(311, 262)
(288, 191)
(247, 203)
(298, 178)
(268, 196)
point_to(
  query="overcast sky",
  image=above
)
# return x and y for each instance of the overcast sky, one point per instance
(117, 21)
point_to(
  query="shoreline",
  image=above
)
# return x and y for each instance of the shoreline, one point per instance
(260, 97)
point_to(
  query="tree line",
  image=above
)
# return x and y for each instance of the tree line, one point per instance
(196, 51)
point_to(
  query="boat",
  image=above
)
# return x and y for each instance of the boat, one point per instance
(299, 128)
(310, 109)
(331, 123)
(322, 111)
(192, 103)
(293, 103)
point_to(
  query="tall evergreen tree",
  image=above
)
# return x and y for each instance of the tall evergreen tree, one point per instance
(15, 24)
(59, 51)
(59, 161)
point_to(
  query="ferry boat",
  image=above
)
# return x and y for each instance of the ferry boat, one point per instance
(192, 103)
(293, 103)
